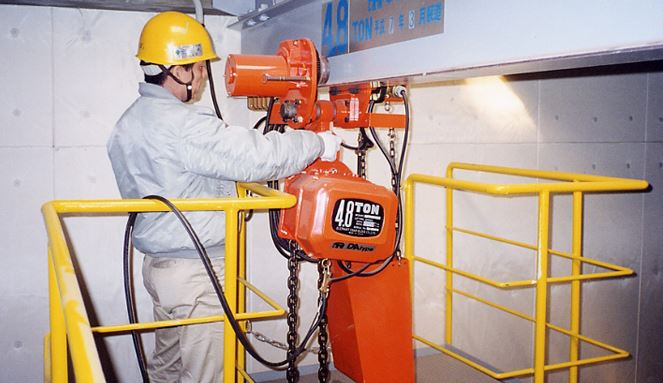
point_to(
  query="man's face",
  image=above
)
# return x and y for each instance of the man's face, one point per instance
(200, 79)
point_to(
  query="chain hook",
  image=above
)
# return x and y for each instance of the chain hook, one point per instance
(326, 276)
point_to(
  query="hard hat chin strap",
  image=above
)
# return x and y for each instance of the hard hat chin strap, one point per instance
(188, 85)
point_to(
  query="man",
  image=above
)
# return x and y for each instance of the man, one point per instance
(167, 146)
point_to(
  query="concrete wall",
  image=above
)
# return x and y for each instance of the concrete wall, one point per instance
(588, 121)
(68, 75)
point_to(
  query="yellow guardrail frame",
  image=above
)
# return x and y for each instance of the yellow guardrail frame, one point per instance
(70, 329)
(559, 183)
(71, 333)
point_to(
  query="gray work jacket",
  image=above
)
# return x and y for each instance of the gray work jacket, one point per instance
(163, 146)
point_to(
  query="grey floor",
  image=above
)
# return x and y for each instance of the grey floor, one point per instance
(436, 368)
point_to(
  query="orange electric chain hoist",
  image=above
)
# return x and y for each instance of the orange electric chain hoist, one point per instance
(340, 217)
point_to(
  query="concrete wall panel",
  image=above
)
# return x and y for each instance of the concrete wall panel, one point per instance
(607, 108)
(27, 182)
(27, 75)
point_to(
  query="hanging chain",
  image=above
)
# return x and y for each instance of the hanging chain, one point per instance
(361, 156)
(394, 185)
(392, 155)
(324, 277)
(292, 373)
(260, 337)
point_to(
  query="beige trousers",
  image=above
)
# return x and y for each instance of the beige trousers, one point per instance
(180, 288)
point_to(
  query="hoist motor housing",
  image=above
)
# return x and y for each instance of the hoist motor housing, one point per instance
(340, 215)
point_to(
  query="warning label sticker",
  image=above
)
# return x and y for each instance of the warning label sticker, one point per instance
(357, 217)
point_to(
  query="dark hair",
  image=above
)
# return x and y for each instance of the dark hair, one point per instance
(160, 78)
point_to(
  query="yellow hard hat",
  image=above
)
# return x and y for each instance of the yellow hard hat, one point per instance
(173, 38)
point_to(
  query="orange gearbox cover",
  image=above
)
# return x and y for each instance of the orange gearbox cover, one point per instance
(339, 215)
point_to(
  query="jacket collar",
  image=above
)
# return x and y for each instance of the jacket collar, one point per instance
(155, 91)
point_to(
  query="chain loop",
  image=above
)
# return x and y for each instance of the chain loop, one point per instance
(361, 156)
(324, 277)
(260, 337)
(292, 373)
(392, 156)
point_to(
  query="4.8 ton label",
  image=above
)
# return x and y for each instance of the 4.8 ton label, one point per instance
(357, 217)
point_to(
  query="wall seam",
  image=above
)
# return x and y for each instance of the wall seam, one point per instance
(642, 237)
(53, 148)
(538, 124)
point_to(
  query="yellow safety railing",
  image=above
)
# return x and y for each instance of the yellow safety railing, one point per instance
(70, 329)
(558, 183)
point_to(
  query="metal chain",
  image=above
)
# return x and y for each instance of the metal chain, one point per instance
(392, 155)
(292, 373)
(361, 157)
(324, 276)
(260, 337)
(394, 186)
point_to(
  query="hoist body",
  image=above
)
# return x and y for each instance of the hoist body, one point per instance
(338, 215)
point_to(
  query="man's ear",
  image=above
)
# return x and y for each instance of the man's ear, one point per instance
(179, 72)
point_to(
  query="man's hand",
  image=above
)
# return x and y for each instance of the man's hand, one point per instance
(332, 144)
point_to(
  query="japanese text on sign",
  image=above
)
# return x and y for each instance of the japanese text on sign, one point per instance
(353, 25)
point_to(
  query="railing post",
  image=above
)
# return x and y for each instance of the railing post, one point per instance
(576, 269)
(241, 296)
(448, 307)
(409, 233)
(229, 337)
(58, 334)
(541, 288)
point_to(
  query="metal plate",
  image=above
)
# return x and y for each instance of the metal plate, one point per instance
(483, 38)
(350, 26)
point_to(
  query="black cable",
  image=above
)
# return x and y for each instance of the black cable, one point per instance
(378, 142)
(210, 77)
(365, 143)
(343, 144)
(355, 273)
(301, 255)
(212, 90)
(397, 173)
(217, 287)
(219, 290)
(406, 104)
(259, 122)
(129, 297)
(283, 246)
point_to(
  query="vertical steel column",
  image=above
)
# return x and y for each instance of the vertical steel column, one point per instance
(229, 337)
(448, 308)
(576, 269)
(58, 335)
(541, 288)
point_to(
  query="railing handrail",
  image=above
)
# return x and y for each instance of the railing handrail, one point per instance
(572, 182)
(271, 199)
(84, 355)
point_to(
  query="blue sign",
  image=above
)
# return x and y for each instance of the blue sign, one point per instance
(353, 25)
(335, 17)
